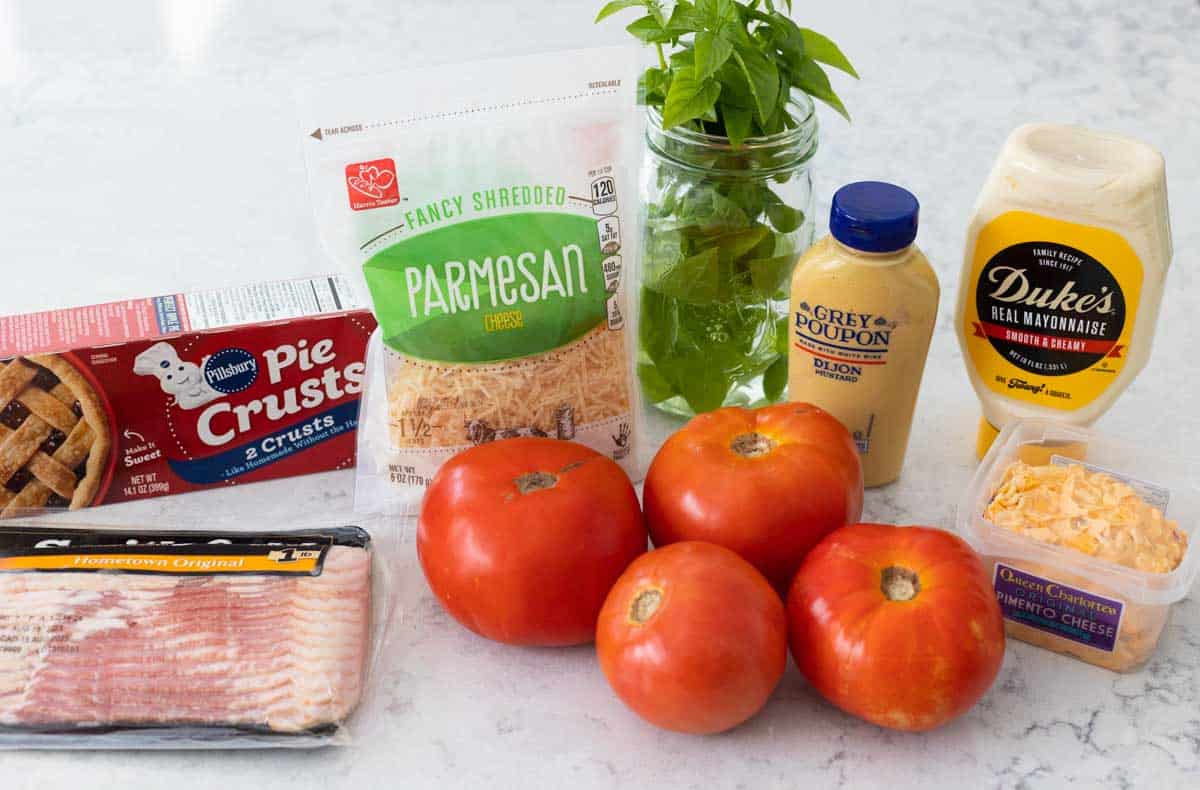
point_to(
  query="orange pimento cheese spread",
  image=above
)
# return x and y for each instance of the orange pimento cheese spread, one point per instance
(1091, 512)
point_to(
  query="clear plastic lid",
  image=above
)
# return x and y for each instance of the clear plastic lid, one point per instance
(1154, 474)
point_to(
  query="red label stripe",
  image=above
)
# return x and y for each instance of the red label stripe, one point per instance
(1050, 342)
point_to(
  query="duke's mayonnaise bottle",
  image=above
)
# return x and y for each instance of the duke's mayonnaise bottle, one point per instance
(863, 304)
(1063, 274)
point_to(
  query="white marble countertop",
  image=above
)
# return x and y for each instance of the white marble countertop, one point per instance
(148, 147)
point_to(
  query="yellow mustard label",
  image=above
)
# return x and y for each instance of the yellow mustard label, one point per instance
(1051, 309)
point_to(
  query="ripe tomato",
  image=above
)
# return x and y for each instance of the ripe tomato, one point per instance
(896, 625)
(693, 638)
(768, 483)
(521, 539)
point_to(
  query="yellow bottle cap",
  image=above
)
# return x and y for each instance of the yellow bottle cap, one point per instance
(987, 435)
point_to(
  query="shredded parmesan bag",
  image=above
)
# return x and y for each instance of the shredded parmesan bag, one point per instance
(1091, 512)
(488, 208)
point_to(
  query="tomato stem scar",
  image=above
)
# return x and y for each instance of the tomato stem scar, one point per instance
(752, 445)
(644, 605)
(535, 481)
(899, 583)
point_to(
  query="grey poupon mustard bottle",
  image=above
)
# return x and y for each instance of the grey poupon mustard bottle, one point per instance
(863, 304)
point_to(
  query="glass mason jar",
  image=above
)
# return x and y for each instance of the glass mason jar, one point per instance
(724, 227)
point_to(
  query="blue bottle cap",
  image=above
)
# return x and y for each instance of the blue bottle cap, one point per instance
(874, 216)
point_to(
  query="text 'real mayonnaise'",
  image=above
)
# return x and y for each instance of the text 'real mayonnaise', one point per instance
(1063, 274)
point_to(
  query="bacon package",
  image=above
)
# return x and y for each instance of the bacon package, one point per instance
(177, 393)
(172, 639)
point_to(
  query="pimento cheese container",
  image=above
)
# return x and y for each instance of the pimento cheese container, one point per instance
(1063, 599)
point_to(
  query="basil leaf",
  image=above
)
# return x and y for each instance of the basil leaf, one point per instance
(694, 361)
(775, 379)
(769, 275)
(747, 196)
(811, 79)
(702, 351)
(774, 123)
(787, 37)
(738, 243)
(763, 77)
(766, 247)
(783, 338)
(683, 59)
(662, 10)
(664, 250)
(655, 386)
(785, 98)
(699, 280)
(738, 122)
(785, 218)
(682, 19)
(656, 329)
(711, 212)
(735, 88)
(734, 30)
(715, 14)
(712, 50)
(820, 48)
(696, 280)
(702, 390)
(615, 6)
(647, 29)
(689, 98)
(652, 87)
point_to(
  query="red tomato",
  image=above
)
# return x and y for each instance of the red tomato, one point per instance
(896, 625)
(768, 483)
(693, 638)
(521, 539)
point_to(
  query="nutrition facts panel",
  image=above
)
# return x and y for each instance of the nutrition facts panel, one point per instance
(273, 301)
(139, 319)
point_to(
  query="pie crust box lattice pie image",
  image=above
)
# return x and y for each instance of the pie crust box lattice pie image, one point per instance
(169, 394)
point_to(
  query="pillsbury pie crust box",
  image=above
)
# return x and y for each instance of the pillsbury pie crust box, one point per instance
(151, 397)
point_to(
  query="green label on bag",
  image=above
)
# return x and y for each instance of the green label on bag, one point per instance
(490, 289)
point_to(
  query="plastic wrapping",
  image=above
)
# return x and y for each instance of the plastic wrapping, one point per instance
(489, 207)
(1062, 599)
(223, 637)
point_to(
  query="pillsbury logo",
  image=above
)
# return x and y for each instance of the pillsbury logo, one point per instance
(231, 370)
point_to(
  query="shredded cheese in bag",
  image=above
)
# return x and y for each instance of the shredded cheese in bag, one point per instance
(490, 210)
